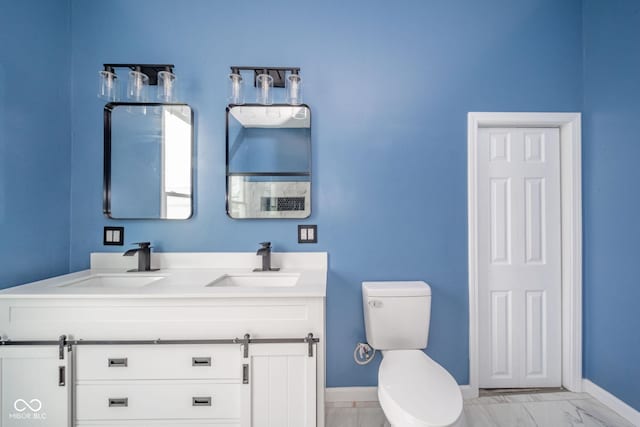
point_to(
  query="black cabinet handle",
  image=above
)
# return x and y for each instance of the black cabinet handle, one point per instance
(118, 363)
(201, 401)
(200, 361)
(118, 402)
(62, 376)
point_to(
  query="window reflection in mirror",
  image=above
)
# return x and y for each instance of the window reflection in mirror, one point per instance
(148, 161)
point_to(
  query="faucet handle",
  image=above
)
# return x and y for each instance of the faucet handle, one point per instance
(143, 245)
(265, 245)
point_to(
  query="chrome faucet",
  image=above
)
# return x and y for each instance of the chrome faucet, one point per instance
(265, 253)
(144, 256)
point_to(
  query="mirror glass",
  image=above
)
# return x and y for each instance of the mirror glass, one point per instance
(268, 161)
(148, 161)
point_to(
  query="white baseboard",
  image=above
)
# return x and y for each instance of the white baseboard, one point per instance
(468, 392)
(351, 394)
(611, 401)
(370, 394)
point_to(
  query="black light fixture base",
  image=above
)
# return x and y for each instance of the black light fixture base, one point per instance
(151, 70)
(277, 73)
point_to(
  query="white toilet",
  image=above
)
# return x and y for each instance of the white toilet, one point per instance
(414, 391)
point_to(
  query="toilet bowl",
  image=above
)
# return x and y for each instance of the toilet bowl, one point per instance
(414, 390)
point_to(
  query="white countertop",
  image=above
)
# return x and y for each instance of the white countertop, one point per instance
(185, 275)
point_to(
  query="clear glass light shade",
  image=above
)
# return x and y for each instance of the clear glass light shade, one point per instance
(167, 86)
(264, 89)
(108, 85)
(236, 89)
(137, 88)
(294, 89)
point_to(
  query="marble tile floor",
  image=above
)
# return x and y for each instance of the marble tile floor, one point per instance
(520, 410)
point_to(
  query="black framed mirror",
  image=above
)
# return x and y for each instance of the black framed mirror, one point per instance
(268, 161)
(148, 161)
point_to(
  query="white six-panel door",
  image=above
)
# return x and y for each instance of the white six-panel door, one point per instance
(519, 264)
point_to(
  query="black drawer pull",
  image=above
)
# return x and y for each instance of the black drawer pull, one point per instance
(118, 363)
(118, 402)
(200, 361)
(245, 373)
(201, 401)
(62, 376)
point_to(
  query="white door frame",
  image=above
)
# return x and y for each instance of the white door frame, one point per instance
(571, 222)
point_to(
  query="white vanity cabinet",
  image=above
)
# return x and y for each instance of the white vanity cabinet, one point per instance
(276, 384)
(170, 348)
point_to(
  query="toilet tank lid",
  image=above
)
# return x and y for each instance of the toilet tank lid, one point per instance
(396, 289)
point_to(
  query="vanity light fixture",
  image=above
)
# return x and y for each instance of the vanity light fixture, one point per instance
(108, 85)
(265, 79)
(137, 87)
(140, 77)
(236, 87)
(166, 86)
(294, 88)
(264, 89)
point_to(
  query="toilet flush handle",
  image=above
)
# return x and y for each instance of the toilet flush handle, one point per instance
(375, 303)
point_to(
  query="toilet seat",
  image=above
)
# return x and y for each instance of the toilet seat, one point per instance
(415, 391)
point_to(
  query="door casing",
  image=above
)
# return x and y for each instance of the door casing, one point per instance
(571, 223)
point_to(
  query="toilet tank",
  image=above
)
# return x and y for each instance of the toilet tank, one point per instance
(396, 314)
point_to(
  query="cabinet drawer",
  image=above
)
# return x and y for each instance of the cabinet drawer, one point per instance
(143, 362)
(157, 400)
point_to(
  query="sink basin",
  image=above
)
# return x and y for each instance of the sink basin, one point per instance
(256, 280)
(114, 281)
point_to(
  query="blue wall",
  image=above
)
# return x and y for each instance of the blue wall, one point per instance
(35, 139)
(389, 84)
(611, 197)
